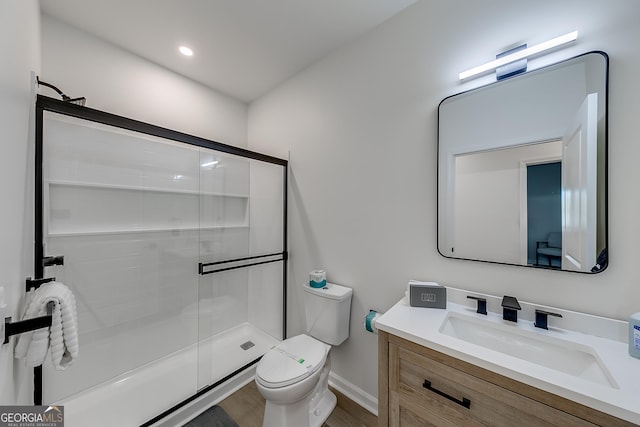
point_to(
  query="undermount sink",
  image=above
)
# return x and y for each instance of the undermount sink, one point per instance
(571, 358)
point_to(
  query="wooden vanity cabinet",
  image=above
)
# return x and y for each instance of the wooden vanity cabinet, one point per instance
(419, 386)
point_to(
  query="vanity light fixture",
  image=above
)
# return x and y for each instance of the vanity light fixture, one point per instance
(520, 54)
(185, 51)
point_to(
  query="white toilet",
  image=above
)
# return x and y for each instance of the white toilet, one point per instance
(293, 376)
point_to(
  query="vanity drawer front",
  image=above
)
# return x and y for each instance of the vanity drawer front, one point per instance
(489, 404)
(411, 411)
(406, 411)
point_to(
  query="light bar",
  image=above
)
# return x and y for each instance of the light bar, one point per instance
(525, 53)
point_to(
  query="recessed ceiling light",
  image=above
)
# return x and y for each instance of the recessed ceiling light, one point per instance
(186, 51)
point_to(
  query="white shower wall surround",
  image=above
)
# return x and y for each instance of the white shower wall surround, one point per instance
(134, 215)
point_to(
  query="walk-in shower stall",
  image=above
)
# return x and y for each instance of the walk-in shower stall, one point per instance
(175, 249)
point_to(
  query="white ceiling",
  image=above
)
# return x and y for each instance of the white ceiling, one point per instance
(242, 48)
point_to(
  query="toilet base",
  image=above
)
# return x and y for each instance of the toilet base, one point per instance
(319, 414)
(310, 411)
(300, 414)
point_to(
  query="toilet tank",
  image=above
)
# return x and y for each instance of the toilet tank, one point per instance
(327, 312)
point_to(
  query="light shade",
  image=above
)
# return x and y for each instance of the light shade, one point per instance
(525, 53)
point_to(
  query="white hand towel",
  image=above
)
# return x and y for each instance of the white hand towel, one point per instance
(61, 338)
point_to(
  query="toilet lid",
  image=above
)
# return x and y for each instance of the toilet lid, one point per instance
(293, 360)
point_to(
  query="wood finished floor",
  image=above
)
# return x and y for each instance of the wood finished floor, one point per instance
(246, 407)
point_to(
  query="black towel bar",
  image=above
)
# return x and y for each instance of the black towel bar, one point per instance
(36, 283)
(50, 261)
(14, 328)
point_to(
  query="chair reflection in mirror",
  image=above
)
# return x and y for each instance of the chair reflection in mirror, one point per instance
(551, 248)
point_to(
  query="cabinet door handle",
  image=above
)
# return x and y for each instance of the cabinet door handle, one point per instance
(464, 402)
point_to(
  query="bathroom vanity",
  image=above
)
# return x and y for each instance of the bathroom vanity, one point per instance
(458, 367)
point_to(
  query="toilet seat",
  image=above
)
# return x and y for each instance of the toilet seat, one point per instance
(291, 361)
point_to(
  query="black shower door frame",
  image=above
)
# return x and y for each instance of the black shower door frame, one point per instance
(44, 103)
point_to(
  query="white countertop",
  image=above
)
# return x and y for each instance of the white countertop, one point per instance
(422, 325)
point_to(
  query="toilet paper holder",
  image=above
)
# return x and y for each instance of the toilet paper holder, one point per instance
(370, 321)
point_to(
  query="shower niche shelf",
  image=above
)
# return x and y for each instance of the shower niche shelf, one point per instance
(142, 188)
(87, 208)
(143, 230)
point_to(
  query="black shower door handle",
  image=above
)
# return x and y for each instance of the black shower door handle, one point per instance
(464, 402)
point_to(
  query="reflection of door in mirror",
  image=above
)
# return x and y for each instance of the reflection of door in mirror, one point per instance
(579, 188)
(490, 202)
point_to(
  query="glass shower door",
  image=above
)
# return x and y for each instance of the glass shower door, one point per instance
(241, 263)
(122, 208)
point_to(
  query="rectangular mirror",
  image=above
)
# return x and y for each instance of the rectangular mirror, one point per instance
(522, 169)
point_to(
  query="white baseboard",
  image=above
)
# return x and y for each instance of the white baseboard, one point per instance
(361, 397)
(213, 397)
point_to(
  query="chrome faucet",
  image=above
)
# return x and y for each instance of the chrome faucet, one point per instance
(510, 307)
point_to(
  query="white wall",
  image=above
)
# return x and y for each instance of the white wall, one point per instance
(362, 124)
(20, 50)
(122, 83)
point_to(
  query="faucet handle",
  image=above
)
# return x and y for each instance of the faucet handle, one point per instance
(510, 302)
(482, 304)
(541, 318)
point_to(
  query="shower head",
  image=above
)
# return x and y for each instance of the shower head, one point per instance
(78, 101)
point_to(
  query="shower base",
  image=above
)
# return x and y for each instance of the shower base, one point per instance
(140, 395)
